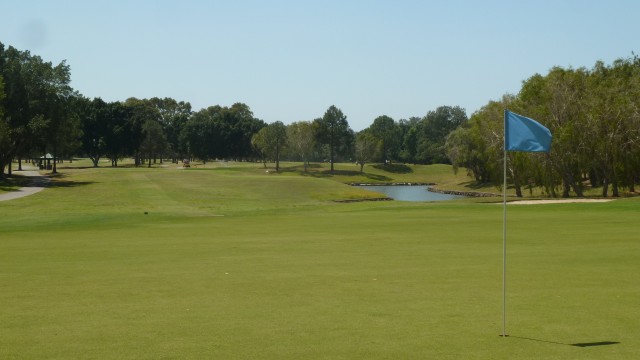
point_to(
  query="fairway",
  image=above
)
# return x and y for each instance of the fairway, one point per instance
(227, 261)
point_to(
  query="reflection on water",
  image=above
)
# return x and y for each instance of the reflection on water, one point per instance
(410, 193)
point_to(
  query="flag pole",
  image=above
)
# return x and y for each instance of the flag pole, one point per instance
(504, 231)
(520, 134)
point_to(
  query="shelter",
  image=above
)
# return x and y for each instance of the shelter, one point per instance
(45, 159)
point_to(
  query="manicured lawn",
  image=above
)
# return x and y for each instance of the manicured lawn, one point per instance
(231, 262)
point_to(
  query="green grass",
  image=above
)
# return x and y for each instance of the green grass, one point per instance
(231, 262)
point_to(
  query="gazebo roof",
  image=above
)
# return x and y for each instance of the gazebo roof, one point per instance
(47, 156)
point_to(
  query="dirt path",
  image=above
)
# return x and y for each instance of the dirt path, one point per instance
(38, 183)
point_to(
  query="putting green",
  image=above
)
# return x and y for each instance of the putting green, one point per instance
(232, 263)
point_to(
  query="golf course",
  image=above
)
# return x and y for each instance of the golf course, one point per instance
(229, 260)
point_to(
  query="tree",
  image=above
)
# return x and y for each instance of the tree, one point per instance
(434, 128)
(63, 131)
(221, 132)
(270, 141)
(556, 100)
(2, 96)
(139, 112)
(612, 106)
(593, 116)
(117, 133)
(173, 117)
(301, 139)
(200, 135)
(23, 95)
(240, 125)
(70, 132)
(154, 140)
(387, 131)
(477, 144)
(367, 148)
(409, 131)
(92, 114)
(333, 130)
(259, 143)
(38, 98)
(4, 126)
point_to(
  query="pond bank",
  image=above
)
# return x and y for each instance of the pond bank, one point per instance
(433, 189)
(465, 193)
(362, 200)
(392, 184)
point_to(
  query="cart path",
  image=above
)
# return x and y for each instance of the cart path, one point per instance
(38, 183)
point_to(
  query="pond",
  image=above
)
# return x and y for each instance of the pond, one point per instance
(410, 193)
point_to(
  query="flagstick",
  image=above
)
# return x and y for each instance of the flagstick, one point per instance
(520, 134)
(504, 234)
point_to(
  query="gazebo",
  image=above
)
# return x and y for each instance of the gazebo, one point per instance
(45, 158)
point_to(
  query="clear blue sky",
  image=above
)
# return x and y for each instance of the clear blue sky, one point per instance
(291, 60)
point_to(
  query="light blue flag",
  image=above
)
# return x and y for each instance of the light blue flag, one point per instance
(524, 134)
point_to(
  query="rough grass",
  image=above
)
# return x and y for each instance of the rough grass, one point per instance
(230, 262)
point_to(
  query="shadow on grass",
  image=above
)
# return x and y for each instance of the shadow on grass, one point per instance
(295, 169)
(394, 168)
(68, 184)
(312, 172)
(598, 343)
(313, 166)
(377, 177)
(81, 167)
(58, 181)
(103, 166)
(14, 183)
(340, 173)
(474, 184)
(586, 344)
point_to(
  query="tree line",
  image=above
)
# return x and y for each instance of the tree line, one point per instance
(594, 117)
(40, 113)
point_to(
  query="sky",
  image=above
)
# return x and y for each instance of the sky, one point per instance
(291, 60)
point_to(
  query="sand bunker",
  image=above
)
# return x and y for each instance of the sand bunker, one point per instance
(560, 201)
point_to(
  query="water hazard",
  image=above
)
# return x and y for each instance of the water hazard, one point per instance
(410, 193)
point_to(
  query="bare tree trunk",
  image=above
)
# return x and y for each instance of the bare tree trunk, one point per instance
(55, 159)
(516, 182)
(578, 190)
(331, 158)
(566, 187)
(518, 189)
